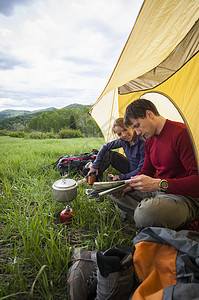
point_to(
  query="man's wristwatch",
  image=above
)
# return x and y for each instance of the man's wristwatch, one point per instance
(163, 184)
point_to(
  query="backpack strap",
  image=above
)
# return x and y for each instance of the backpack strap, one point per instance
(194, 274)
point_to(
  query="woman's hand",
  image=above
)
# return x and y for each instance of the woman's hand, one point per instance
(92, 170)
(115, 177)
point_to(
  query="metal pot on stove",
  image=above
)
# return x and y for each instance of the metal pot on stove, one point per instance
(64, 190)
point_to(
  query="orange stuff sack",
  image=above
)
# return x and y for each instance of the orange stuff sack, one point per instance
(166, 264)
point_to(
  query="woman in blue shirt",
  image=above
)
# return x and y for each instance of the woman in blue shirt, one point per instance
(133, 147)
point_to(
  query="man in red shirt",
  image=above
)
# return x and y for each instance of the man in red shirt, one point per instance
(164, 194)
(166, 191)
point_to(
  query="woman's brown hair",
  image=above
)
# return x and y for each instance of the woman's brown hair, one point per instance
(118, 122)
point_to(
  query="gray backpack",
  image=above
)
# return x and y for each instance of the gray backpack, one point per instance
(166, 264)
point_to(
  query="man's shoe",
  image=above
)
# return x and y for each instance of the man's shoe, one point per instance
(81, 274)
(115, 275)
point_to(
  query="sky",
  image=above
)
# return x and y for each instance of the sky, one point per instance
(58, 52)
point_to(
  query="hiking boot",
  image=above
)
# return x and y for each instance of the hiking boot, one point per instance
(81, 274)
(115, 275)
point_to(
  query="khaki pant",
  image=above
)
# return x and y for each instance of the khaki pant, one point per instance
(158, 209)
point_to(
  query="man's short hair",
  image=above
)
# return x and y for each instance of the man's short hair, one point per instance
(137, 109)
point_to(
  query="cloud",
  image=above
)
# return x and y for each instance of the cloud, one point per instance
(9, 62)
(54, 53)
(7, 6)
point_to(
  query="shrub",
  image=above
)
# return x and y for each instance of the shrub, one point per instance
(17, 134)
(36, 135)
(4, 132)
(50, 135)
(63, 134)
(69, 133)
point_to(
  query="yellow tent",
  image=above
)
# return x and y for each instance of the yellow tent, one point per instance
(159, 62)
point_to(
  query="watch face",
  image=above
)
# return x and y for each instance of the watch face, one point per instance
(164, 184)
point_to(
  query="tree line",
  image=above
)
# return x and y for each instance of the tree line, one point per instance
(77, 119)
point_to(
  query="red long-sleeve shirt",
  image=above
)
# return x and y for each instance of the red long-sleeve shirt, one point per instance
(172, 155)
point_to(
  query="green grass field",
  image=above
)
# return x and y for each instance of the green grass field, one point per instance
(34, 247)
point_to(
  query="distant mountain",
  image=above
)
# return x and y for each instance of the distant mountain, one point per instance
(8, 123)
(22, 117)
(76, 105)
(9, 113)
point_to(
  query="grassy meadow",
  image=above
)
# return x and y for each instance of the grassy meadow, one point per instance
(34, 247)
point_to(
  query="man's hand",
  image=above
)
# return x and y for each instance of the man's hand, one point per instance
(121, 193)
(144, 183)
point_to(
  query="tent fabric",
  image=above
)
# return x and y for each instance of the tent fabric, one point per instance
(161, 59)
(183, 87)
(106, 112)
(187, 48)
